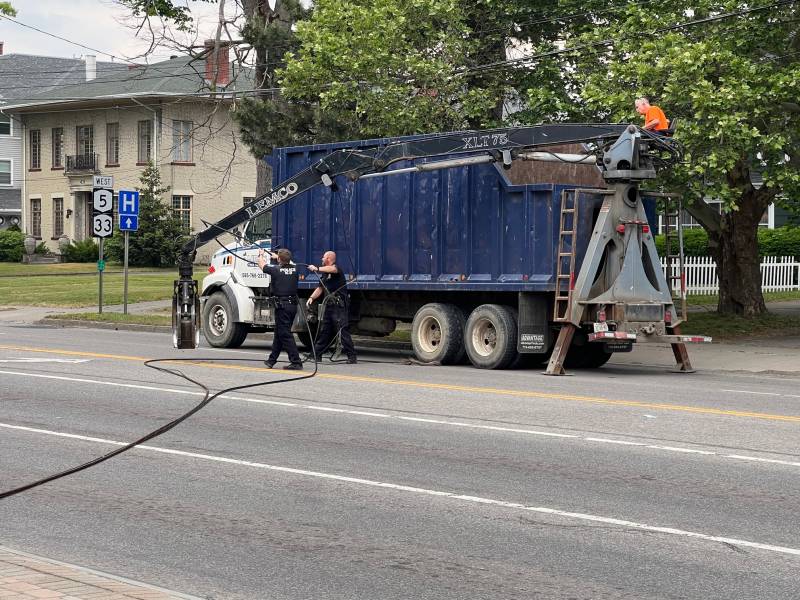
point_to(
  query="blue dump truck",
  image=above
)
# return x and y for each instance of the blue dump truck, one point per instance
(432, 232)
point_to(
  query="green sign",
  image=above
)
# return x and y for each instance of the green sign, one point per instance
(101, 265)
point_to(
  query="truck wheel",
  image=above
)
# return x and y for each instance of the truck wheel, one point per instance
(218, 325)
(437, 333)
(306, 343)
(491, 336)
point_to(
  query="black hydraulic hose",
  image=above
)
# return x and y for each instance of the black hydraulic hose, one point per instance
(207, 398)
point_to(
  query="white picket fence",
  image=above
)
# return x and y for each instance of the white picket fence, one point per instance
(778, 274)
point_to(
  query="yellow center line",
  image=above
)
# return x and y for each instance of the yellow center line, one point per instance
(436, 386)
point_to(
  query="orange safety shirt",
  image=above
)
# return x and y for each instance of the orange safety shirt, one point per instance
(654, 112)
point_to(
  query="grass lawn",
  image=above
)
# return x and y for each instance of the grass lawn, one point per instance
(11, 269)
(50, 287)
(722, 327)
(768, 297)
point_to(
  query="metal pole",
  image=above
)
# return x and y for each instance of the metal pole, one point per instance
(125, 285)
(100, 261)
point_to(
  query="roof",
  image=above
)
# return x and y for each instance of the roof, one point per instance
(26, 75)
(178, 76)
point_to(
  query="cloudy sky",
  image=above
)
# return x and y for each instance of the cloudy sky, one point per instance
(98, 24)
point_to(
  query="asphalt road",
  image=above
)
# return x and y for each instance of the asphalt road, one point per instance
(388, 480)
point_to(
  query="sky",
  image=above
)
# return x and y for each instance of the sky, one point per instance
(98, 24)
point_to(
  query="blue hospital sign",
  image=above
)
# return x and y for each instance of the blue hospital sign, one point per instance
(128, 210)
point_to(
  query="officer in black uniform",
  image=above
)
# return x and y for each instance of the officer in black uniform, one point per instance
(283, 286)
(337, 307)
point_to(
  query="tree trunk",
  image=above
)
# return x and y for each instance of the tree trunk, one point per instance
(735, 250)
(733, 243)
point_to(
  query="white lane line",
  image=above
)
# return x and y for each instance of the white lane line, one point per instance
(621, 442)
(488, 427)
(765, 460)
(430, 492)
(685, 450)
(444, 422)
(37, 359)
(752, 392)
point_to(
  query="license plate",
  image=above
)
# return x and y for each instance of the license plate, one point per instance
(598, 327)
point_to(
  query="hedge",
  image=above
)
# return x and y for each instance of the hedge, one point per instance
(784, 241)
(11, 245)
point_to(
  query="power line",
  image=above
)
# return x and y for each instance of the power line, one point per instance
(611, 41)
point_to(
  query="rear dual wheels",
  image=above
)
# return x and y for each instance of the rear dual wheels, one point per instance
(437, 334)
(491, 336)
(440, 333)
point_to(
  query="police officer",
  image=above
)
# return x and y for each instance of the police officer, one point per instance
(283, 286)
(337, 306)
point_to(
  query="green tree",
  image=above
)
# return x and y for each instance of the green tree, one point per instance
(389, 67)
(7, 9)
(732, 79)
(160, 233)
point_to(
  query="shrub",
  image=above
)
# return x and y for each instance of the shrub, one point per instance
(11, 245)
(41, 248)
(160, 233)
(83, 251)
(784, 241)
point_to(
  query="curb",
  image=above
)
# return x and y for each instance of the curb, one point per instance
(104, 325)
(96, 573)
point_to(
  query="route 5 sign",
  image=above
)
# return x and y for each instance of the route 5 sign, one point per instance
(102, 200)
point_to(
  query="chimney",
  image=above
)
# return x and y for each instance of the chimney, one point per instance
(219, 64)
(91, 66)
(1, 48)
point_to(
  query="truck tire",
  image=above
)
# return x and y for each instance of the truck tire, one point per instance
(491, 336)
(218, 325)
(437, 334)
(306, 343)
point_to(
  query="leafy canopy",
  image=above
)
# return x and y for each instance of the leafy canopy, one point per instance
(733, 82)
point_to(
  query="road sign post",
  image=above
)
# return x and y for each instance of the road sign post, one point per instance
(128, 221)
(102, 221)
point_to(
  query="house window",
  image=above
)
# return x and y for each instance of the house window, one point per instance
(58, 147)
(182, 208)
(5, 172)
(248, 200)
(145, 141)
(36, 148)
(58, 217)
(5, 125)
(36, 217)
(84, 135)
(112, 143)
(181, 141)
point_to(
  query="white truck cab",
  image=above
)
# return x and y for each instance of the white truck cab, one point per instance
(234, 296)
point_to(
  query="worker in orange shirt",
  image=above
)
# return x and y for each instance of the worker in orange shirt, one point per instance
(654, 117)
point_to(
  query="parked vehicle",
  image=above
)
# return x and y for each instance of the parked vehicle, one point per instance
(482, 269)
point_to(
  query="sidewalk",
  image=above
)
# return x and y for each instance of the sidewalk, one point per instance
(24, 576)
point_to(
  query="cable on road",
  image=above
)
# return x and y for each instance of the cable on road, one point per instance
(207, 399)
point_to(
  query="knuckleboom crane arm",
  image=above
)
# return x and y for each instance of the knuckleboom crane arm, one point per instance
(622, 151)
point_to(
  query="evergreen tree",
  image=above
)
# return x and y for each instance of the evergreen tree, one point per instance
(160, 233)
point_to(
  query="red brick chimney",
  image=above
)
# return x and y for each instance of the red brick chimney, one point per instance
(218, 63)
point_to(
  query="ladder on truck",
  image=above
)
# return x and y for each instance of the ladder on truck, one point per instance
(565, 257)
(672, 224)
